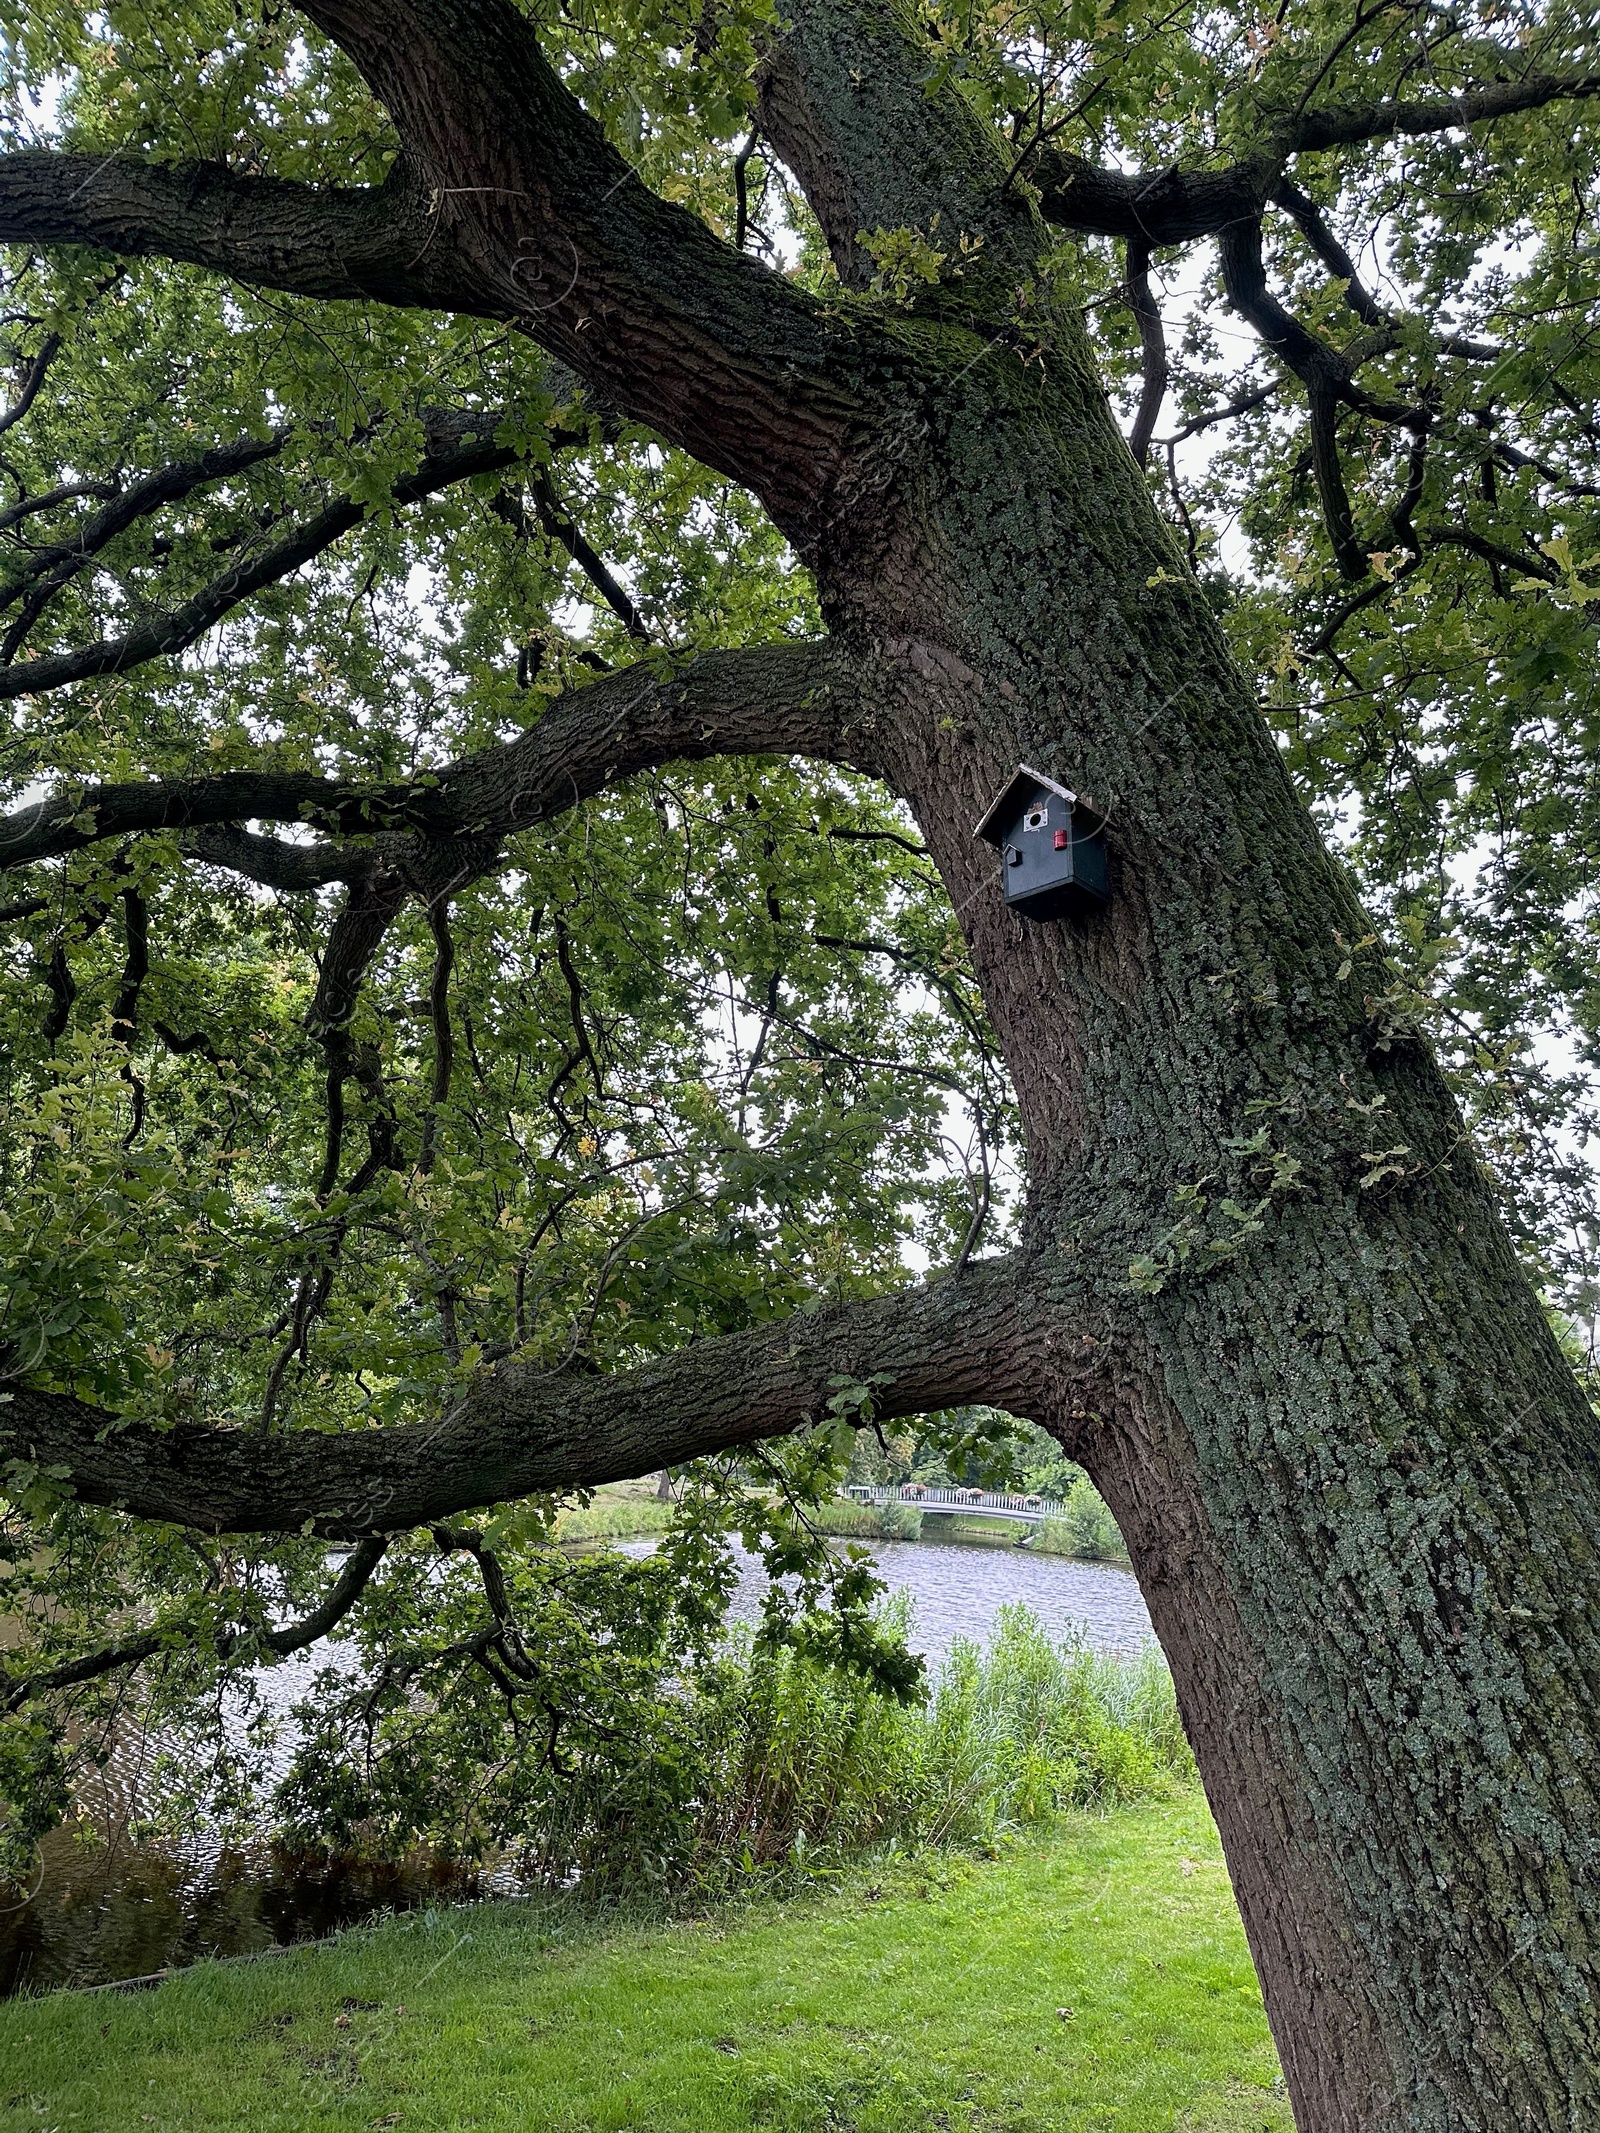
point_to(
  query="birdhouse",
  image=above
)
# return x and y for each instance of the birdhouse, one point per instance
(1052, 847)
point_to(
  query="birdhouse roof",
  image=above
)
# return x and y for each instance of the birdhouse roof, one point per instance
(1016, 788)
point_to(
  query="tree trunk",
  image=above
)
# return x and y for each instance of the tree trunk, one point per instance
(1291, 1343)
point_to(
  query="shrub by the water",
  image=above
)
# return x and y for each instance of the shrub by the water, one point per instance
(1085, 1528)
(847, 1518)
(900, 1522)
(611, 1518)
(794, 1764)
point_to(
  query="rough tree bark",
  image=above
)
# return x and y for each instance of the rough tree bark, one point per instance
(1264, 1296)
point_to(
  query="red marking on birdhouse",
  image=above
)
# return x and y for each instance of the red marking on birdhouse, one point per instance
(1062, 840)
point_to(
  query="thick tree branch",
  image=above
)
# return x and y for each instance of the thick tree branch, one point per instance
(1172, 206)
(741, 192)
(370, 908)
(1536, 566)
(840, 76)
(275, 864)
(1176, 206)
(561, 526)
(1320, 368)
(1420, 540)
(784, 699)
(136, 967)
(1312, 225)
(350, 1584)
(31, 383)
(68, 492)
(383, 242)
(509, 202)
(48, 569)
(89, 1666)
(728, 359)
(58, 972)
(520, 1432)
(1344, 125)
(558, 524)
(444, 959)
(585, 1054)
(1328, 375)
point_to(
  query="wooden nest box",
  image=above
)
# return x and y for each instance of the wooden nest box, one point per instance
(1052, 846)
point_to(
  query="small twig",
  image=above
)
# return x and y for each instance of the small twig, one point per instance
(982, 1199)
(741, 166)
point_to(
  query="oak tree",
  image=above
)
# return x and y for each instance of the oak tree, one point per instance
(531, 539)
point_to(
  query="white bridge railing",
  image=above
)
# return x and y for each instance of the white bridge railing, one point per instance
(947, 1502)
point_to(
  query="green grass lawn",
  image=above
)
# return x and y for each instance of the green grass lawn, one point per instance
(1097, 1978)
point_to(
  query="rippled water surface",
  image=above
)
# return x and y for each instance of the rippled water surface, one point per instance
(956, 1589)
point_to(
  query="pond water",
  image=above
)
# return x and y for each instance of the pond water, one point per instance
(956, 1588)
(121, 1910)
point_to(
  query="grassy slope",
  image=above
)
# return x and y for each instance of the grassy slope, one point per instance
(930, 2001)
(619, 1509)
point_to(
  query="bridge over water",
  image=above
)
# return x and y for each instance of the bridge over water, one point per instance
(942, 1502)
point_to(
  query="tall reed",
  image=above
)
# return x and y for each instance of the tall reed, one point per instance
(783, 1765)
